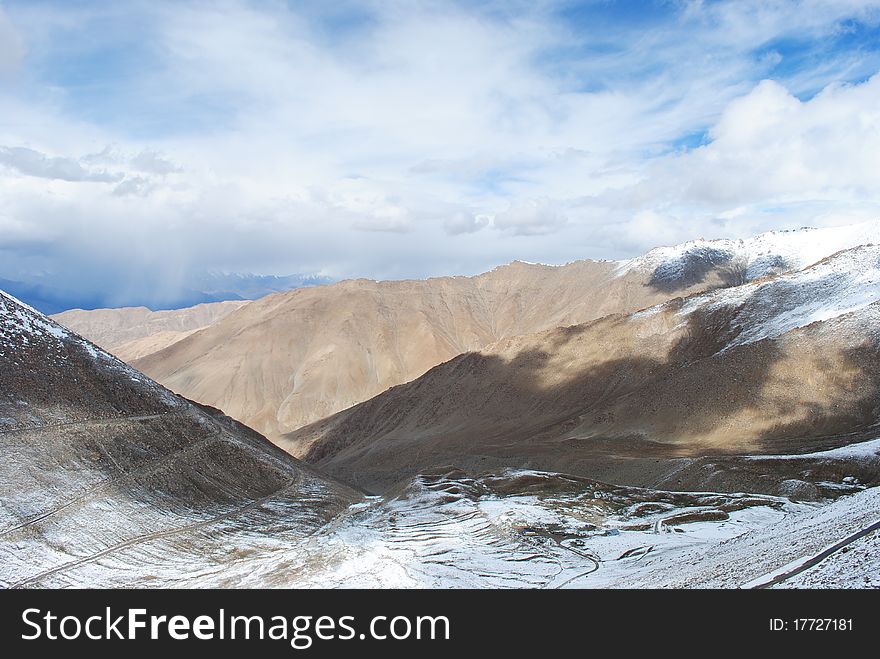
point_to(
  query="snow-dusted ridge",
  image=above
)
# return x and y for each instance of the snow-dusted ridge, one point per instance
(845, 283)
(860, 450)
(22, 326)
(768, 253)
(22, 323)
(19, 320)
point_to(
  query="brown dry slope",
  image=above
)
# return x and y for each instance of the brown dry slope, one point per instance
(784, 364)
(133, 332)
(293, 358)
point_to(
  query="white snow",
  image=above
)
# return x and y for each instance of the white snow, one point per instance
(869, 449)
(650, 311)
(15, 300)
(428, 540)
(855, 566)
(768, 252)
(18, 320)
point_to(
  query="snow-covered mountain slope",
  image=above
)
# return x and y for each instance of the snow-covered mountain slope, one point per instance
(108, 477)
(783, 363)
(748, 259)
(753, 558)
(50, 375)
(847, 282)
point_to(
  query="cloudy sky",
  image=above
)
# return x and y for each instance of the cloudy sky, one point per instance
(141, 142)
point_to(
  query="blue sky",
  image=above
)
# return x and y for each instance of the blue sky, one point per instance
(145, 141)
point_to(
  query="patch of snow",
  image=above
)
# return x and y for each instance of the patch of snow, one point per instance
(646, 313)
(22, 321)
(543, 265)
(869, 449)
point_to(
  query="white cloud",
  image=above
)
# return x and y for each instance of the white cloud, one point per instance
(770, 149)
(464, 222)
(15, 233)
(147, 161)
(533, 217)
(393, 220)
(772, 162)
(34, 163)
(152, 162)
(134, 185)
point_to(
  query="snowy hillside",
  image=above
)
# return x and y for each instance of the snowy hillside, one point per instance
(20, 322)
(105, 472)
(847, 282)
(34, 343)
(769, 253)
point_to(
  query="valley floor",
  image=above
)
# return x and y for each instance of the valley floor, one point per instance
(541, 530)
(528, 541)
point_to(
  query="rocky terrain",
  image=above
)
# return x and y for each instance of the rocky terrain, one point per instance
(108, 478)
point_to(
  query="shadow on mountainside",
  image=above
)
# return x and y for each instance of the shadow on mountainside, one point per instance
(696, 266)
(619, 419)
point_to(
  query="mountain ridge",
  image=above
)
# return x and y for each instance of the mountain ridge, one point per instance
(131, 332)
(299, 356)
(711, 373)
(109, 478)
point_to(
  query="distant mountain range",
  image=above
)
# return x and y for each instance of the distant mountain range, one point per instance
(49, 298)
(133, 332)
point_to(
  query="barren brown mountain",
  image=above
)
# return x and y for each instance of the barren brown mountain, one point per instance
(133, 332)
(293, 358)
(786, 364)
